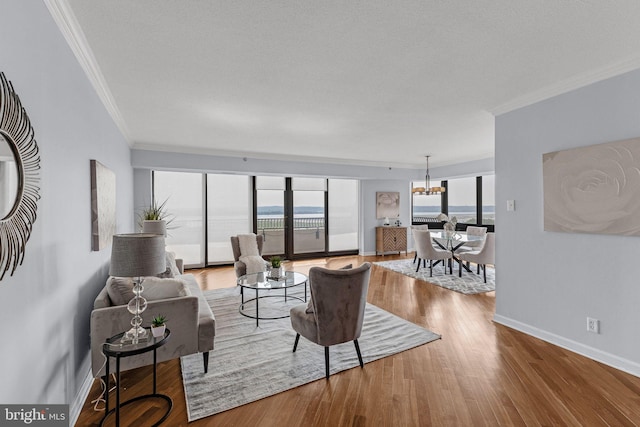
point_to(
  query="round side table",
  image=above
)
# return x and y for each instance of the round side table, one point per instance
(113, 347)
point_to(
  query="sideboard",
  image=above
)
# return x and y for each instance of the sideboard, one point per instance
(391, 239)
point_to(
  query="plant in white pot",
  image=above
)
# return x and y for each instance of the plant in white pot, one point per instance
(276, 267)
(154, 218)
(158, 325)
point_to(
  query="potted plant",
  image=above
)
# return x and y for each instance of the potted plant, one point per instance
(158, 325)
(276, 266)
(154, 218)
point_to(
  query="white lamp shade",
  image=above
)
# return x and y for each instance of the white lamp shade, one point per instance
(137, 254)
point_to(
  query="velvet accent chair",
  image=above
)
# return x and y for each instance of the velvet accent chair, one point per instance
(426, 251)
(482, 257)
(335, 311)
(239, 266)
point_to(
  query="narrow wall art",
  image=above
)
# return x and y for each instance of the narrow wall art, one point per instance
(103, 205)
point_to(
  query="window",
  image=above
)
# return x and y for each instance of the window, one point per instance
(461, 196)
(343, 214)
(183, 193)
(489, 199)
(228, 213)
(471, 200)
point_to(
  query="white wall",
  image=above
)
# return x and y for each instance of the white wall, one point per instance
(548, 283)
(45, 305)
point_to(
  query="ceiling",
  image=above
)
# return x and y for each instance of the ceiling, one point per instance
(375, 82)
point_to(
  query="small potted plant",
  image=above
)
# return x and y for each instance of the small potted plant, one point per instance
(154, 218)
(158, 325)
(276, 266)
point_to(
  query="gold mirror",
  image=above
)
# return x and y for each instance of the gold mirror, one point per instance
(19, 178)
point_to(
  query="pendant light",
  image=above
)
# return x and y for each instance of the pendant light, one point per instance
(427, 190)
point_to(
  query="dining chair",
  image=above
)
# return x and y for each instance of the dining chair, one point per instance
(336, 310)
(476, 244)
(413, 228)
(426, 251)
(482, 257)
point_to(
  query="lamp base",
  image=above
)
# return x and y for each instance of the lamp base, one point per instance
(135, 336)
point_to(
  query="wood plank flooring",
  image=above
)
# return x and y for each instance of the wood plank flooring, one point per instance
(479, 374)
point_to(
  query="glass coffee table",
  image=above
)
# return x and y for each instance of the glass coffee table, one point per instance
(262, 282)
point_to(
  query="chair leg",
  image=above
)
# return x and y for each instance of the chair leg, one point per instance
(295, 345)
(418, 267)
(484, 270)
(358, 351)
(326, 361)
(431, 268)
(415, 257)
(460, 268)
(205, 359)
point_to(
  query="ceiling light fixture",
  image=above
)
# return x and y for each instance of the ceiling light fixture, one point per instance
(427, 190)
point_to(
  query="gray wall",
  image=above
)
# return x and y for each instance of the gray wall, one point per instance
(45, 305)
(548, 283)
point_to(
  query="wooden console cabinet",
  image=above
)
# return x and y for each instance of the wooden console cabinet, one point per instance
(391, 239)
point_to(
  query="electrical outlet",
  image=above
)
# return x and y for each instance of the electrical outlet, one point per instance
(593, 325)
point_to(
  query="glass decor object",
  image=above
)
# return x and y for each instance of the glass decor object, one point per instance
(137, 255)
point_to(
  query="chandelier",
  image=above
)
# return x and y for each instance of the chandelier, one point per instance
(428, 190)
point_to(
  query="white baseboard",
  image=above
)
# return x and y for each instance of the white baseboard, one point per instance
(76, 406)
(609, 359)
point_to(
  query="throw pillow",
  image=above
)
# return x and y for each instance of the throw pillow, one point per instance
(120, 289)
(310, 302)
(172, 268)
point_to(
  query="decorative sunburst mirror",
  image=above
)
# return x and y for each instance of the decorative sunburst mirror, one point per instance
(19, 178)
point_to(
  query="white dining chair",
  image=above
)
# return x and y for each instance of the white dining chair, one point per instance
(426, 251)
(482, 257)
(474, 245)
(414, 228)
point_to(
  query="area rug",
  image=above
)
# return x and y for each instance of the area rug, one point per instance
(469, 283)
(250, 363)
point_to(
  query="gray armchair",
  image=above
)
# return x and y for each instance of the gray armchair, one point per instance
(239, 266)
(335, 312)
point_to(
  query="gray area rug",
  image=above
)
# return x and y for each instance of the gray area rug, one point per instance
(469, 283)
(250, 363)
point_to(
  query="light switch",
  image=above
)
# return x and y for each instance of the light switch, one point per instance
(511, 205)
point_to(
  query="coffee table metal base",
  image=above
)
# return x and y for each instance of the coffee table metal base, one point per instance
(257, 300)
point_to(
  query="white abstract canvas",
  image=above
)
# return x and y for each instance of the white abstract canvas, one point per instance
(593, 189)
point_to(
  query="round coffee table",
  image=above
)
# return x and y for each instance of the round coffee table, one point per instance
(262, 282)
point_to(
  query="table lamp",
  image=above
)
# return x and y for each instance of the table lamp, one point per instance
(137, 255)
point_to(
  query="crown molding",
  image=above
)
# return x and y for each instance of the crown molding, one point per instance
(73, 34)
(564, 86)
(270, 156)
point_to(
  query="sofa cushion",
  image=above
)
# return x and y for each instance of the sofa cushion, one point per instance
(120, 289)
(310, 302)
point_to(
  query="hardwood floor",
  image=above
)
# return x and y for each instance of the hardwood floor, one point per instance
(479, 374)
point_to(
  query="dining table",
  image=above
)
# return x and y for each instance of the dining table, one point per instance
(453, 241)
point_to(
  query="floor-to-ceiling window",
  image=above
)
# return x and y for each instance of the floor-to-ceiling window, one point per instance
(461, 197)
(343, 214)
(183, 194)
(270, 214)
(228, 213)
(297, 216)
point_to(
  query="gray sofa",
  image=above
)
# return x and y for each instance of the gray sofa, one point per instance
(189, 317)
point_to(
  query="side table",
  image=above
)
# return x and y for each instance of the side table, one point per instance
(114, 348)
